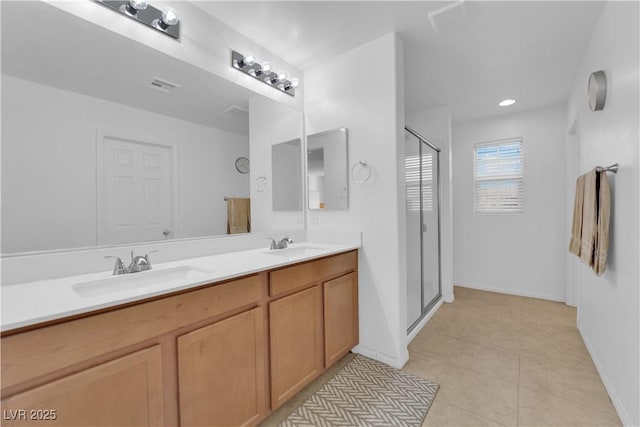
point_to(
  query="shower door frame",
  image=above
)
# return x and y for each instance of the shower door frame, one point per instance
(426, 308)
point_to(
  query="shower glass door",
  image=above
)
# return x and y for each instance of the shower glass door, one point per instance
(423, 226)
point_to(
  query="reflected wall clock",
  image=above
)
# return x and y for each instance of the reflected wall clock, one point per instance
(242, 165)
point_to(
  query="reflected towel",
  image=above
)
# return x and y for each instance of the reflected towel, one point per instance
(589, 218)
(238, 215)
(576, 226)
(602, 236)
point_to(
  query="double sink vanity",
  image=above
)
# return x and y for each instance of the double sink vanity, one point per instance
(217, 340)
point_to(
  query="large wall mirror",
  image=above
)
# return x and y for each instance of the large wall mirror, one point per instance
(108, 141)
(327, 175)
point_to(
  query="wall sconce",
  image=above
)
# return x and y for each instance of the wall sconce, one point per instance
(166, 20)
(263, 72)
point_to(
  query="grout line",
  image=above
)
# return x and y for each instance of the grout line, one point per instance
(471, 412)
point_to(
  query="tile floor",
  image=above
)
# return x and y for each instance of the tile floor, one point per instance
(508, 360)
(500, 360)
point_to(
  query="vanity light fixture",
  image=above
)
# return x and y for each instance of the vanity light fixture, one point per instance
(263, 72)
(166, 20)
(506, 102)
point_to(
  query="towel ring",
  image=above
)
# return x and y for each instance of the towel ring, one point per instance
(261, 183)
(363, 166)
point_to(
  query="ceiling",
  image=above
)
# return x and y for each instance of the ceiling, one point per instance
(43, 44)
(466, 55)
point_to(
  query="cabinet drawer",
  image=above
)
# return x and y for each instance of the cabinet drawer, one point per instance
(291, 278)
(65, 344)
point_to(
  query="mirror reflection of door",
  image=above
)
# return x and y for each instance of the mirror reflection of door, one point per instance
(135, 193)
(315, 168)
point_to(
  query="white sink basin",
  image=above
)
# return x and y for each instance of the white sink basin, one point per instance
(142, 282)
(296, 252)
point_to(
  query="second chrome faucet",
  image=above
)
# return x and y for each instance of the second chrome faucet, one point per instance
(138, 263)
(281, 244)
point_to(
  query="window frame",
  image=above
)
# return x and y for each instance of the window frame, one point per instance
(498, 178)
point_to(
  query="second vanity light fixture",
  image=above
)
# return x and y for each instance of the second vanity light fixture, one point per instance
(166, 20)
(263, 72)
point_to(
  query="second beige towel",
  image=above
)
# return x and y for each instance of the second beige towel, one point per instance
(591, 217)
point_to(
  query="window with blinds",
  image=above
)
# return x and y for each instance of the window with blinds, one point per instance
(413, 180)
(498, 177)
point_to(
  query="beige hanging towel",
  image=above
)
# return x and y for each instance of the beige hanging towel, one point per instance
(589, 218)
(238, 215)
(604, 215)
(576, 226)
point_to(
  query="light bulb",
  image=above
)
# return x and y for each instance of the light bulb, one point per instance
(170, 16)
(249, 60)
(506, 102)
(132, 7)
(282, 76)
(295, 82)
(138, 4)
(266, 68)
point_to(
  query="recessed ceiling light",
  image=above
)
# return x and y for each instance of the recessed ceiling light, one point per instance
(506, 102)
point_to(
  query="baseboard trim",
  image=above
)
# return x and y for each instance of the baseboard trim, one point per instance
(394, 362)
(617, 403)
(411, 335)
(510, 292)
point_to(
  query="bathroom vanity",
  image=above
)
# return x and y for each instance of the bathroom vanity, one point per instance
(221, 353)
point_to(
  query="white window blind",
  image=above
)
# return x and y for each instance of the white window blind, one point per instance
(498, 177)
(412, 180)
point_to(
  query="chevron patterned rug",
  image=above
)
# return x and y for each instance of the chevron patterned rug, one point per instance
(367, 393)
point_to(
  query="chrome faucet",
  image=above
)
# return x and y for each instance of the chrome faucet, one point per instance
(138, 263)
(281, 244)
(119, 267)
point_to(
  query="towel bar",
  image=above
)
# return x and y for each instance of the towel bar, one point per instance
(613, 168)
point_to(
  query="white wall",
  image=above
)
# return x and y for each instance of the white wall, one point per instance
(520, 254)
(371, 106)
(49, 166)
(271, 123)
(609, 305)
(435, 125)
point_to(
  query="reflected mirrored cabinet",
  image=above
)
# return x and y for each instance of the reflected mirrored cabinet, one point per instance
(327, 170)
(286, 170)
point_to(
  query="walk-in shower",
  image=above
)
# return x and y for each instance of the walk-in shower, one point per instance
(422, 183)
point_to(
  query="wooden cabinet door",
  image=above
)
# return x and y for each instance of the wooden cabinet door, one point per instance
(296, 343)
(222, 372)
(340, 317)
(123, 392)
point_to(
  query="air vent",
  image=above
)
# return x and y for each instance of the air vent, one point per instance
(164, 85)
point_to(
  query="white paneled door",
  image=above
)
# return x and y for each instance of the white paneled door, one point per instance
(136, 192)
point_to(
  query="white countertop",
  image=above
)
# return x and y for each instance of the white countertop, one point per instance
(30, 303)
